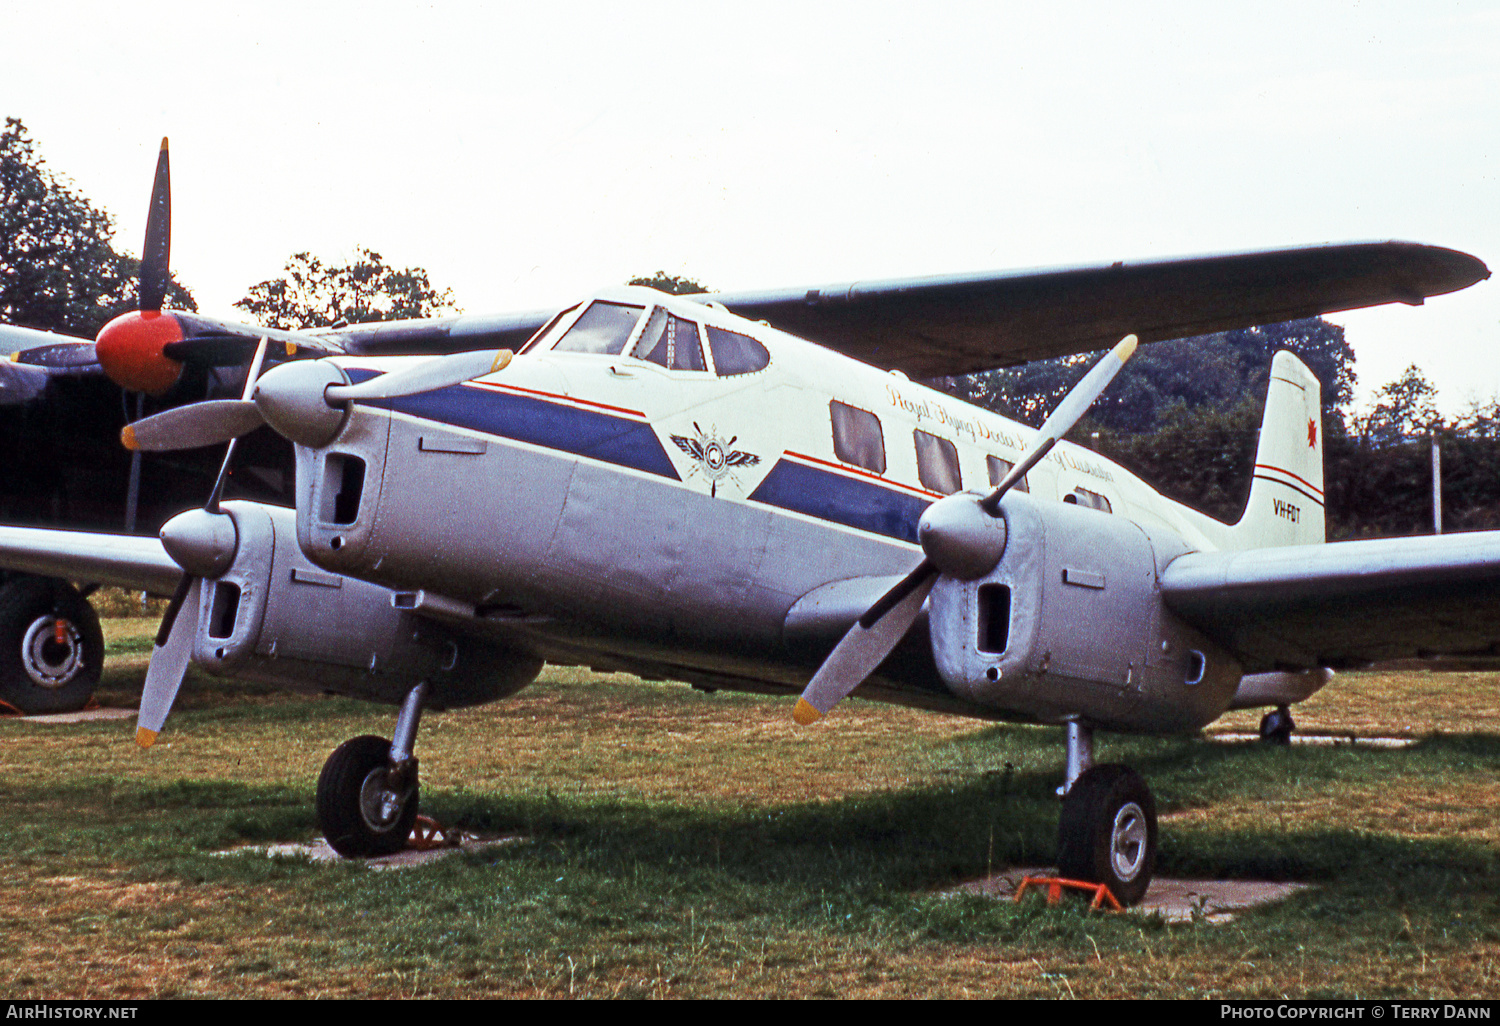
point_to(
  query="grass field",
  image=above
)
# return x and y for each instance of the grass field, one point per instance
(676, 843)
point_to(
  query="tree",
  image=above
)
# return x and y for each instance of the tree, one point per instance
(670, 284)
(58, 266)
(1404, 409)
(312, 294)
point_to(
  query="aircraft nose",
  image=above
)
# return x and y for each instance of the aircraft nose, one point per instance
(202, 543)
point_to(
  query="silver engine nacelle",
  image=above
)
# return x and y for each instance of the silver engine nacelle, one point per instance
(275, 618)
(1070, 623)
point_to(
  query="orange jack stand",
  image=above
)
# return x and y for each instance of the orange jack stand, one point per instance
(1055, 885)
(427, 834)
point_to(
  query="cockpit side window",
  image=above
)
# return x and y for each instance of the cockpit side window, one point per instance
(735, 353)
(604, 328)
(543, 338)
(671, 341)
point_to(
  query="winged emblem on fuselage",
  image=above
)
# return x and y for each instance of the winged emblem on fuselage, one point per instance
(713, 457)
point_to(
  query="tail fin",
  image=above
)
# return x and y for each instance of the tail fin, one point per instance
(1286, 495)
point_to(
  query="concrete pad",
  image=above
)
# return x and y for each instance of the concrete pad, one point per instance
(319, 851)
(1325, 739)
(81, 716)
(1177, 901)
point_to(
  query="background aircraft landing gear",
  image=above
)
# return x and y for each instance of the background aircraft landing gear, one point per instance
(367, 793)
(51, 646)
(1107, 830)
(1276, 726)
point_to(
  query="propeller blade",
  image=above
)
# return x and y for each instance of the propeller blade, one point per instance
(193, 426)
(169, 660)
(157, 249)
(441, 372)
(866, 645)
(1061, 420)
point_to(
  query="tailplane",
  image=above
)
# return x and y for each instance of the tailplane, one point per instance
(1286, 496)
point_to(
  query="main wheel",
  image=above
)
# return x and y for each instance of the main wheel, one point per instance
(51, 647)
(1107, 833)
(359, 812)
(1276, 726)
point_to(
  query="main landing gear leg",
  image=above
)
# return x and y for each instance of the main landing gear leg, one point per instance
(1107, 830)
(367, 792)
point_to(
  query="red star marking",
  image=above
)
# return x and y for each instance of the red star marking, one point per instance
(1312, 433)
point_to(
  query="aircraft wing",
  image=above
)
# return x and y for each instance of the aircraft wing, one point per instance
(127, 561)
(30, 358)
(1344, 604)
(930, 327)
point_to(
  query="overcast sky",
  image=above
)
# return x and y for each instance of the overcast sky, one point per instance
(528, 154)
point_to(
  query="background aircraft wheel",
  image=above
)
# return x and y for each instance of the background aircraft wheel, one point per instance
(1107, 833)
(358, 812)
(51, 647)
(1276, 726)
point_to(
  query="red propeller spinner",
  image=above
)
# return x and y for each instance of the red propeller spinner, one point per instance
(130, 346)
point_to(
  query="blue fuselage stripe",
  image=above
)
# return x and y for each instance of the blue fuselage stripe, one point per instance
(597, 436)
(843, 500)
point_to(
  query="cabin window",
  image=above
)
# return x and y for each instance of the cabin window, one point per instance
(857, 437)
(998, 468)
(604, 328)
(1093, 500)
(671, 342)
(937, 463)
(735, 353)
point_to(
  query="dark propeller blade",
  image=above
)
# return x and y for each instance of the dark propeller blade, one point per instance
(158, 247)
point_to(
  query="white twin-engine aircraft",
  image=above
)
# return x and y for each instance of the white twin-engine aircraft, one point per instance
(659, 485)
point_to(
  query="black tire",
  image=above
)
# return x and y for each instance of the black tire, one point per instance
(1276, 726)
(39, 674)
(1107, 833)
(349, 806)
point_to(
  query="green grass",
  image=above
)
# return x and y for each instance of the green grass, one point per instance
(682, 844)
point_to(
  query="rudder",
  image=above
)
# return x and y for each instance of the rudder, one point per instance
(1286, 495)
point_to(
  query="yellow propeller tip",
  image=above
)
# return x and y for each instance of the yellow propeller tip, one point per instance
(805, 714)
(145, 738)
(163, 142)
(127, 438)
(1126, 347)
(502, 360)
(291, 349)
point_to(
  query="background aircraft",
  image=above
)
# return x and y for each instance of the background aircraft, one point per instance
(665, 486)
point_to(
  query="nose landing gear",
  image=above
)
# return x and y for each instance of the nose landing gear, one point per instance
(367, 793)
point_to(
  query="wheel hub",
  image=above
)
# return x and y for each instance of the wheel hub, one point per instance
(52, 651)
(1127, 841)
(379, 804)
